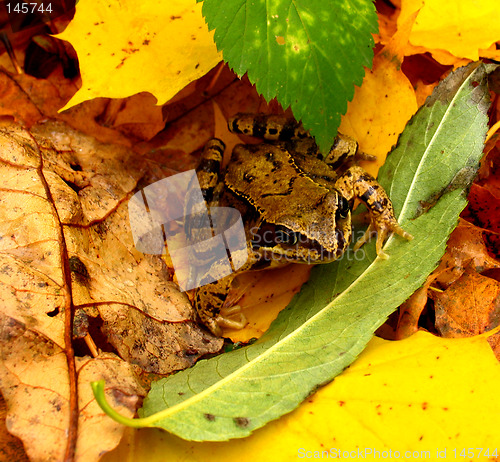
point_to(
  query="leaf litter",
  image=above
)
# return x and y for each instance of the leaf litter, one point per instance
(323, 334)
(90, 118)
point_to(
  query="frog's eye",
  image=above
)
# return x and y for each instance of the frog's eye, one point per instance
(342, 207)
(287, 237)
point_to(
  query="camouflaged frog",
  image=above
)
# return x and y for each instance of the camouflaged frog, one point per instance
(295, 203)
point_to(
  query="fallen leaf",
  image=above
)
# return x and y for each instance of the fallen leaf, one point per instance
(16, 103)
(263, 295)
(131, 291)
(11, 448)
(126, 48)
(424, 73)
(420, 394)
(411, 310)
(307, 55)
(29, 100)
(138, 117)
(462, 27)
(66, 249)
(483, 209)
(45, 409)
(177, 145)
(469, 306)
(466, 247)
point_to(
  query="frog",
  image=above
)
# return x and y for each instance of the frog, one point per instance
(295, 203)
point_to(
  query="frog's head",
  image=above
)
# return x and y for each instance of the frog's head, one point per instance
(319, 231)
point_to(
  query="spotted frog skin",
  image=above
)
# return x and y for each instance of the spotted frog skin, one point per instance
(295, 203)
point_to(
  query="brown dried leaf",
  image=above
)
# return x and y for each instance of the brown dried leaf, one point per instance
(29, 100)
(411, 310)
(470, 306)
(16, 103)
(483, 209)
(66, 248)
(466, 247)
(34, 381)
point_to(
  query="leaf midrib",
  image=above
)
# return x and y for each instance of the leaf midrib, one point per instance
(431, 144)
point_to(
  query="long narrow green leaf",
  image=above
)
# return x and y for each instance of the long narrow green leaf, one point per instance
(329, 323)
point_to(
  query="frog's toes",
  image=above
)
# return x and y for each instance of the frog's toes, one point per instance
(383, 227)
(365, 237)
(213, 326)
(401, 232)
(228, 311)
(381, 237)
(231, 317)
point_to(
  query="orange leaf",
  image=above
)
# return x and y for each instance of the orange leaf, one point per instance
(470, 306)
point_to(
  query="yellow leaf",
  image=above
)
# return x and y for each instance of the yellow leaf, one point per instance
(459, 27)
(420, 394)
(126, 47)
(383, 104)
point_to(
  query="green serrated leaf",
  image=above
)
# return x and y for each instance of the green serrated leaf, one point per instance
(329, 323)
(308, 54)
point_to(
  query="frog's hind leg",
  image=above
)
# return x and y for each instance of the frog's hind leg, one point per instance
(267, 126)
(281, 128)
(209, 303)
(232, 317)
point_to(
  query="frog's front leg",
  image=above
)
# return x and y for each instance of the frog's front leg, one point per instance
(209, 170)
(209, 299)
(209, 303)
(357, 183)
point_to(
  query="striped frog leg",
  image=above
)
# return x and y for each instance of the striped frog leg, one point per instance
(357, 183)
(209, 299)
